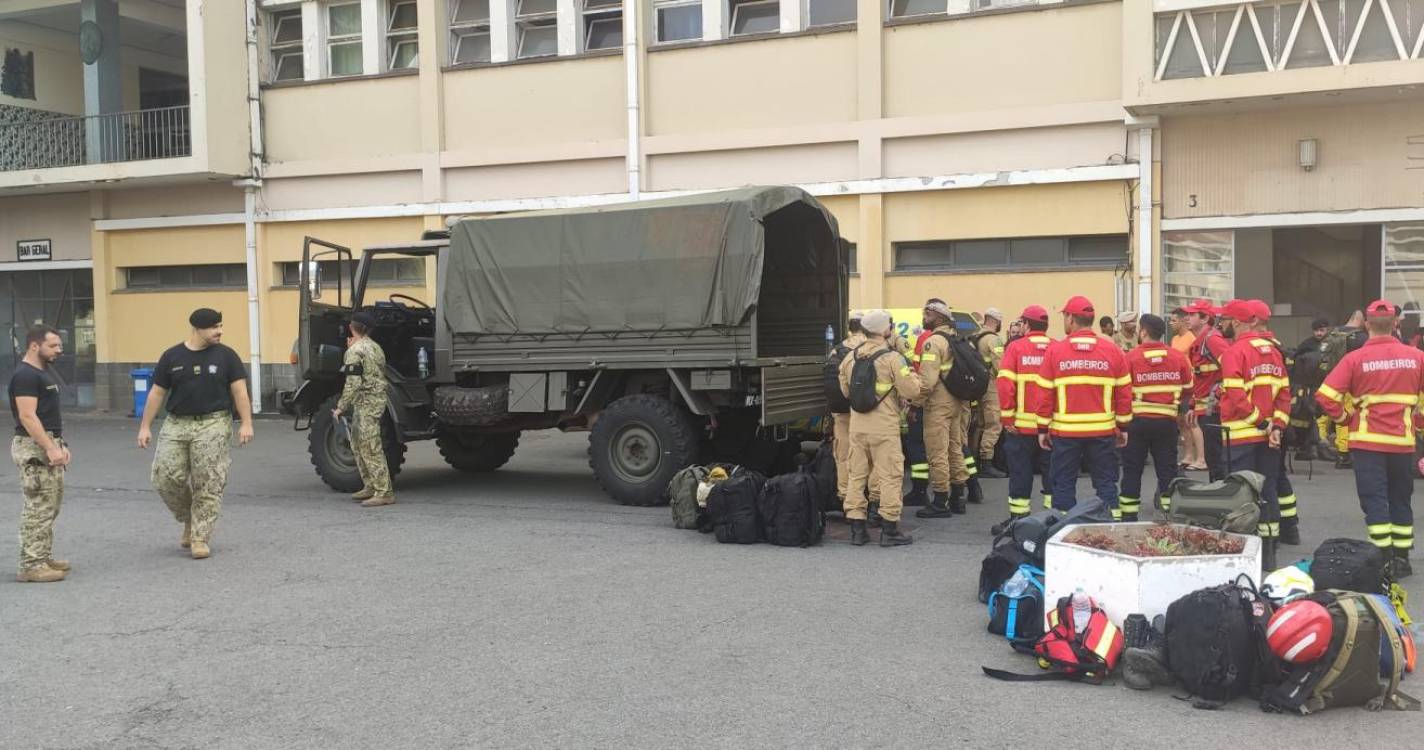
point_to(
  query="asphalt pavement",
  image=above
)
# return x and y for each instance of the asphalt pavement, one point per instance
(525, 609)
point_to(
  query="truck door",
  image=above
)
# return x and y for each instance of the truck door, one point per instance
(323, 310)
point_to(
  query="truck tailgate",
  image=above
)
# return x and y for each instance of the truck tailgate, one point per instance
(792, 392)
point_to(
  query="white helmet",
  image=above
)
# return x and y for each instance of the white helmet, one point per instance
(1287, 585)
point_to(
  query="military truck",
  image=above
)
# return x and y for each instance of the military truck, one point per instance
(671, 330)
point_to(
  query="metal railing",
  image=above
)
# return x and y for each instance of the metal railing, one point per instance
(162, 133)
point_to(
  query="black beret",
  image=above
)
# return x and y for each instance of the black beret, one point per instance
(204, 317)
(367, 320)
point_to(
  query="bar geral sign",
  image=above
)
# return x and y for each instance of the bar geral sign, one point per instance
(32, 250)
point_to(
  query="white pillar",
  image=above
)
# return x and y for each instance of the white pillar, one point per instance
(103, 81)
(792, 12)
(635, 129)
(313, 43)
(570, 30)
(373, 37)
(713, 12)
(1144, 219)
(501, 31)
(254, 310)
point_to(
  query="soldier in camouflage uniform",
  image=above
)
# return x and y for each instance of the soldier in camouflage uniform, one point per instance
(364, 398)
(40, 454)
(203, 382)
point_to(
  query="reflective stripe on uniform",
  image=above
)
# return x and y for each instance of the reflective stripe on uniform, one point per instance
(1330, 393)
(1147, 407)
(919, 471)
(1047, 501)
(1403, 536)
(1380, 534)
(1019, 506)
(1268, 530)
(1129, 504)
(883, 388)
(1288, 509)
(1061, 426)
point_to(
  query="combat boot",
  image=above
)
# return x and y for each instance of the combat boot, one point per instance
(938, 507)
(1268, 555)
(1144, 667)
(187, 539)
(365, 493)
(39, 574)
(873, 516)
(1129, 517)
(59, 565)
(1402, 568)
(972, 490)
(200, 550)
(891, 536)
(379, 500)
(859, 536)
(919, 492)
(987, 469)
(1290, 532)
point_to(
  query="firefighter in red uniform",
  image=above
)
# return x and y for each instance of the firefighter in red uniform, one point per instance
(1255, 409)
(1161, 392)
(1205, 356)
(1019, 393)
(1376, 391)
(1088, 404)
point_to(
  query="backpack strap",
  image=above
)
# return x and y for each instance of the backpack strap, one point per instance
(1390, 694)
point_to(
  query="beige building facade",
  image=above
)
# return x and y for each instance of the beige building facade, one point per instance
(990, 153)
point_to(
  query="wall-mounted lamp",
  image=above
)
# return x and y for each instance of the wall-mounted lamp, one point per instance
(1309, 153)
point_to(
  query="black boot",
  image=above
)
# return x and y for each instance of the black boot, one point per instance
(1344, 462)
(1268, 555)
(938, 507)
(976, 496)
(919, 492)
(859, 536)
(873, 516)
(987, 470)
(1402, 568)
(891, 536)
(1129, 518)
(1290, 532)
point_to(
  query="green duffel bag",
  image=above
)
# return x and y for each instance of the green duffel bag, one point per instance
(1350, 673)
(1232, 504)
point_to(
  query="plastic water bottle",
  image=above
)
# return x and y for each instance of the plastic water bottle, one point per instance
(830, 338)
(423, 362)
(1016, 585)
(1082, 610)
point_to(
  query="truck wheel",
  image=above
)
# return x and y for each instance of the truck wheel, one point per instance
(636, 446)
(476, 454)
(472, 407)
(331, 450)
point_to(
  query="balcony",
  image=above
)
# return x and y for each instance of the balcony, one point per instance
(1206, 51)
(160, 133)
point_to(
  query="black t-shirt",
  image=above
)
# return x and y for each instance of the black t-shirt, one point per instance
(198, 382)
(29, 380)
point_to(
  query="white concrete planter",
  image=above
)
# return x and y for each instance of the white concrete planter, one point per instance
(1126, 584)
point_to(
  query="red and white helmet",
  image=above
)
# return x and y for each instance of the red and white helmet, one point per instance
(1299, 633)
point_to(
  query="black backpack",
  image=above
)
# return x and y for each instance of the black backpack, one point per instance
(1216, 643)
(823, 468)
(999, 566)
(832, 376)
(790, 513)
(732, 509)
(863, 396)
(1350, 565)
(968, 379)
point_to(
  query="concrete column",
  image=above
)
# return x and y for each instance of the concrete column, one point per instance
(432, 99)
(713, 19)
(501, 30)
(869, 84)
(870, 251)
(792, 12)
(373, 37)
(569, 27)
(313, 43)
(103, 82)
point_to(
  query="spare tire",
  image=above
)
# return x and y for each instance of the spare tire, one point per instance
(485, 405)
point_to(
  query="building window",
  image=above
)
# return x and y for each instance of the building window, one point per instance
(537, 24)
(469, 32)
(602, 24)
(852, 263)
(1197, 264)
(678, 20)
(343, 39)
(1008, 254)
(402, 35)
(755, 16)
(906, 8)
(829, 12)
(286, 45)
(384, 272)
(212, 276)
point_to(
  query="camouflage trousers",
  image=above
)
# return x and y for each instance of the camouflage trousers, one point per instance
(43, 487)
(368, 448)
(190, 468)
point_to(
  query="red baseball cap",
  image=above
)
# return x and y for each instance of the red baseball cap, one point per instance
(1202, 306)
(1239, 309)
(1036, 313)
(1262, 310)
(1380, 308)
(1078, 305)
